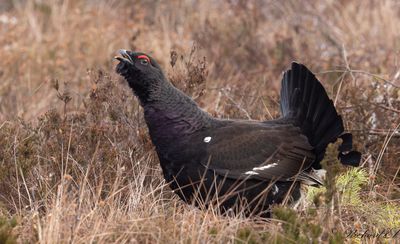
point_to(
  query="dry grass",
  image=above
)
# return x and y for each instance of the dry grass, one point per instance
(77, 164)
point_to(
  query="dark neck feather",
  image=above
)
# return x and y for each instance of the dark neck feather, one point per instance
(169, 113)
(145, 90)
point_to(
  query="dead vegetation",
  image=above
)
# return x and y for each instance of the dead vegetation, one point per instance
(76, 163)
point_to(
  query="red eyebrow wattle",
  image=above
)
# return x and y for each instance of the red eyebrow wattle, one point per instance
(144, 57)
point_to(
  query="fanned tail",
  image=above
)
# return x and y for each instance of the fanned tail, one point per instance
(304, 100)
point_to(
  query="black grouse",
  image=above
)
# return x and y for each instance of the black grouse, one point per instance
(237, 165)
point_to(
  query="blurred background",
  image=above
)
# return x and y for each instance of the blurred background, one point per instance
(56, 67)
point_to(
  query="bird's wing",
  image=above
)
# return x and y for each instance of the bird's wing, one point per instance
(253, 150)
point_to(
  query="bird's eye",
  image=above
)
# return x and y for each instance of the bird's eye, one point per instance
(144, 61)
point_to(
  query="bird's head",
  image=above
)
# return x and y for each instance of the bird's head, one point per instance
(141, 71)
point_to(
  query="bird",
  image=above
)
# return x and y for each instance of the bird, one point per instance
(237, 166)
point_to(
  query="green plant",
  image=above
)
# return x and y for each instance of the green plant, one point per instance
(6, 230)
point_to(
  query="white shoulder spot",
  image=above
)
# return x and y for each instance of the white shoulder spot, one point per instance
(251, 173)
(275, 190)
(265, 166)
(207, 139)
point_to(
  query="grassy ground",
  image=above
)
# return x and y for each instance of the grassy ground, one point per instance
(77, 165)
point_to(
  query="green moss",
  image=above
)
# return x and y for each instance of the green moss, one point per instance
(213, 231)
(349, 186)
(387, 215)
(290, 224)
(315, 195)
(245, 235)
(314, 230)
(336, 238)
(6, 230)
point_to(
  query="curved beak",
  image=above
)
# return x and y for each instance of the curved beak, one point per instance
(124, 56)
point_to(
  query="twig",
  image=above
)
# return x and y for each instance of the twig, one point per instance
(378, 132)
(236, 104)
(387, 108)
(361, 72)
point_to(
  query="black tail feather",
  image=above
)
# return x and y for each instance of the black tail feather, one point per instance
(347, 143)
(347, 156)
(304, 99)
